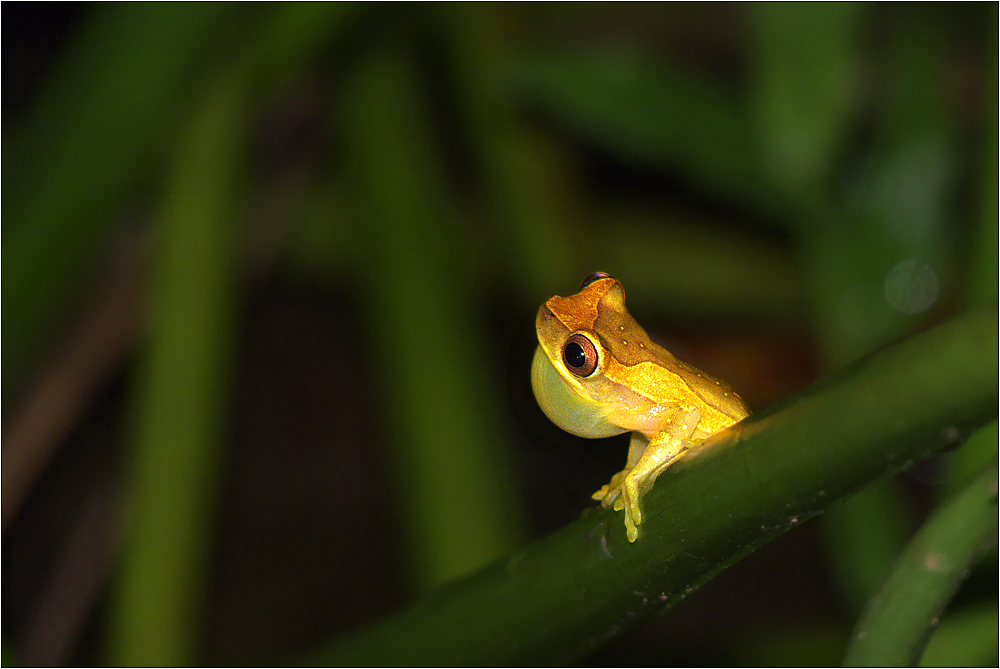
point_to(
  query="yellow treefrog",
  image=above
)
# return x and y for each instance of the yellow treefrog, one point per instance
(596, 373)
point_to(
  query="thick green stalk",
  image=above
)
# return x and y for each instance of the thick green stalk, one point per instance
(525, 174)
(966, 638)
(293, 33)
(965, 464)
(182, 388)
(863, 537)
(571, 592)
(442, 418)
(983, 272)
(805, 59)
(900, 617)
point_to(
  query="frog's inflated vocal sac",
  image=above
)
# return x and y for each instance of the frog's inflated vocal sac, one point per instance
(596, 373)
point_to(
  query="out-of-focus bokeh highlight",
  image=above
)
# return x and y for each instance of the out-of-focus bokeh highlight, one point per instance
(270, 271)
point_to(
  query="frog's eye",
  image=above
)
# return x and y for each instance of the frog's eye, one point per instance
(596, 276)
(580, 355)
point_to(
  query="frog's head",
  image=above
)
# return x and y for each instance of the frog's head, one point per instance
(575, 371)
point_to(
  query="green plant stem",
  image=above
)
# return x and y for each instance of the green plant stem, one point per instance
(900, 617)
(965, 464)
(966, 638)
(181, 391)
(804, 66)
(863, 537)
(526, 174)
(444, 425)
(984, 270)
(571, 592)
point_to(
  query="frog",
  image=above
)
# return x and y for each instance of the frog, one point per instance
(596, 373)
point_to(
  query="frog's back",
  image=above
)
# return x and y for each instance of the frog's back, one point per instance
(714, 392)
(720, 405)
(656, 373)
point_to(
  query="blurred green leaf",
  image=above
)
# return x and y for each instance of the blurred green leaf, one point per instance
(880, 263)
(524, 173)
(864, 535)
(182, 386)
(804, 81)
(110, 100)
(294, 31)
(325, 240)
(9, 657)
(679, 264)
(571, 592)
(966, 462)
(899, 618)
(964, 639)
(878, 254)
(458, 496)
(650, 113)
(984, 283)
(897, 243)
(793, 645)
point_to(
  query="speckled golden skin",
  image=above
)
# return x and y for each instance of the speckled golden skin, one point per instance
(638, 386)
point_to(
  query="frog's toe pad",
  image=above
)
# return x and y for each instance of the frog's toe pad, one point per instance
(632, 531)
(631, 528)
(631, 495)
(623, 494)
(606, 496)
(610, 493)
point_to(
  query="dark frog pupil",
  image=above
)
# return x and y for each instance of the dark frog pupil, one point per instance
(580, 356)
(575, 357)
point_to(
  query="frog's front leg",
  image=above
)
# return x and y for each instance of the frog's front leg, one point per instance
(664, 449)
(610, 494)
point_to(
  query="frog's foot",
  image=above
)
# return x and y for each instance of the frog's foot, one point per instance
(609, 495)
(630, 494)
(623, 493)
